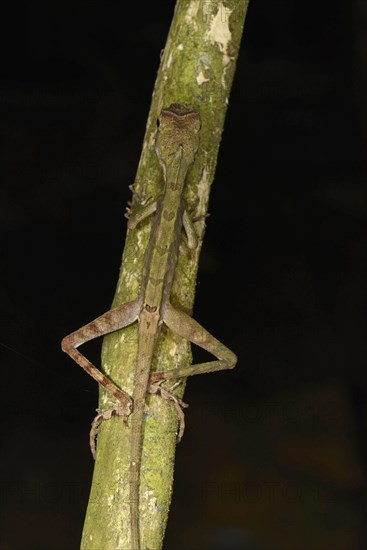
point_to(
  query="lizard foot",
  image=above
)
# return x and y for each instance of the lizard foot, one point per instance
(140, 199)
(155, 389)
(200, 217)
(103, 415)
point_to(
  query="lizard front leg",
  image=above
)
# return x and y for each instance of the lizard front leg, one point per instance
(139, 209)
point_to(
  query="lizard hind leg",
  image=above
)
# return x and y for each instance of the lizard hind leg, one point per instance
(186, 327)
(112, 320)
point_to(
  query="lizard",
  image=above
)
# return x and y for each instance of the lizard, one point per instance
(176, 144)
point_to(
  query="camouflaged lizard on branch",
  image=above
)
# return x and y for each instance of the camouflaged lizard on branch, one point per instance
(176, 143)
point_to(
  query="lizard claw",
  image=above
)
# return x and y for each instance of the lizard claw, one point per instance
(140, 200)
(104, 414)
(200, 217)
(177, 403)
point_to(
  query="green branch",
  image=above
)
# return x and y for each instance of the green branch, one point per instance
(197, 69)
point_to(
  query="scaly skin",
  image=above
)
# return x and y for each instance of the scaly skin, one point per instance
(176, 144)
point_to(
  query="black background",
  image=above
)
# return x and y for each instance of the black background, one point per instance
(281, 279)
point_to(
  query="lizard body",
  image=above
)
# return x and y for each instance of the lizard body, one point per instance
(159, 265)
(176, 144)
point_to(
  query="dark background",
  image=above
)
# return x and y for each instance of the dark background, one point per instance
(274, 455)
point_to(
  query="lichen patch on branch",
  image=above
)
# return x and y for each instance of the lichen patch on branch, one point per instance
(220, 34)
(200, 79)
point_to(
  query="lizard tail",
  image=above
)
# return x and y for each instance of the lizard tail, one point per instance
(148, 331)
(136, 448)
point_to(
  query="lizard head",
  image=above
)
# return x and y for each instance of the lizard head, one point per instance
(178, 134)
